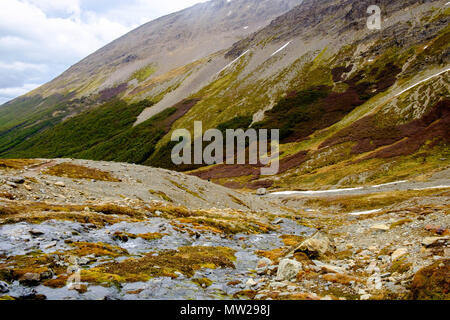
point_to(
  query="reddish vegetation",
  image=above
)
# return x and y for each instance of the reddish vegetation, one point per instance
(224, 171)
(182, 107)
(402, 140)
(111, 93)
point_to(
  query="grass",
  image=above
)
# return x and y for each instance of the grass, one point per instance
(73, 171)
(345, 204)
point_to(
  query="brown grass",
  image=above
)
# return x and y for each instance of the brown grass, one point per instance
(73, 171)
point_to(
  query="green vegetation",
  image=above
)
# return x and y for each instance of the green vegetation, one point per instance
(144, 73)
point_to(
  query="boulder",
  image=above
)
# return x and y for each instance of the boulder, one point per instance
(30, 279)
(433, 241)
(316, 246)
(288, 269)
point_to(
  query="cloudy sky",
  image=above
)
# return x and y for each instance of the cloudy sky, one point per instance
(39, 39)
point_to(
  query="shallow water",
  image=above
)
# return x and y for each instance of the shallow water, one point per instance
(16, 239)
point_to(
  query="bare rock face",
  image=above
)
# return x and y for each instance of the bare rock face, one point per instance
(316, 246)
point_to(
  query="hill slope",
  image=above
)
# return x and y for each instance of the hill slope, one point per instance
(354, 105)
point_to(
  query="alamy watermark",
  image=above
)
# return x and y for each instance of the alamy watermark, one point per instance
(374, 20)
(236, 147)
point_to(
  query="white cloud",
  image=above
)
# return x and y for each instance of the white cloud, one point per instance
(39, 39)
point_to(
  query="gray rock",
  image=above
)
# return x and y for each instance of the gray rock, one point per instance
(17, 180)
(316, 246)
(288, 269)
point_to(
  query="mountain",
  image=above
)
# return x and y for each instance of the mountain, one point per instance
(354, 106)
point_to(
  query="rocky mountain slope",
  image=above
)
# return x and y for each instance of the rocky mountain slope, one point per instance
(354, 106)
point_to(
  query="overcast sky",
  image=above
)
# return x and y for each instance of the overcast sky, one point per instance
(39, 39)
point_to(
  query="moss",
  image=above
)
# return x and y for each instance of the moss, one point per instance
(291, 240)
(432, 282)
(97, 249)
(73, 171)
(6, 298)
(203, 282)
(400, 223)
(124, 236)
(238, 201)
(186, 189)
(275, 255)
(400, 266)
(161, 194)
(186, 260)
(17, 164)
(144, 73)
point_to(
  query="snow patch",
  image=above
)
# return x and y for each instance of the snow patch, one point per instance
(281, 49)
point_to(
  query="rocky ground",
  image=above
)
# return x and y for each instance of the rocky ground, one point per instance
(72, 229)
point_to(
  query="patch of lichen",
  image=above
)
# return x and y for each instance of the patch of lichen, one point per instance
(432, 282)
(73, 171)
(186, 260)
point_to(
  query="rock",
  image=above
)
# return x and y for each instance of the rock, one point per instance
(397, 254)
(251, 283)
(264, 263)
(372, 267)
(431, 241)
(380, 227)
(278, 221)
(437, 229)
(27, 187)
(4, 288)
(365, 297)
(51, 245)
(36, 233)
(30, 279)
(17, 180)
(316, 246)
(261, 192)
(328, 268)
(60, 184)
(47, 274)
(11, 184)
(288, 269)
